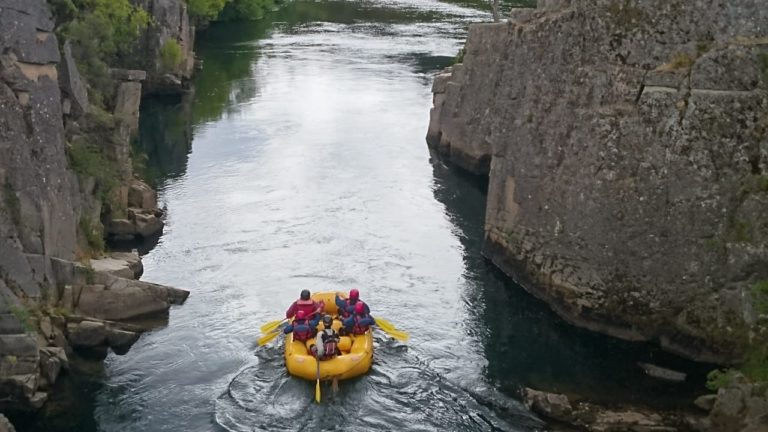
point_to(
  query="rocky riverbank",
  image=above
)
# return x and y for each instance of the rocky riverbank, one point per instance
(67, 183)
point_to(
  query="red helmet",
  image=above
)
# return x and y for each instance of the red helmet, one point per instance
(300, 314)
(354, 294)
(359, 307)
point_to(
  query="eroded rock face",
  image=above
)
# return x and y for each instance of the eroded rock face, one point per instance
(629, 146)
(37, 215)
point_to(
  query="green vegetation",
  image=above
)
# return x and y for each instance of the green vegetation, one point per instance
(86, 159)
(755, 368)
(741, 231)
(755, 365)
(758, 183)
(703, 47)
(713, 243)
(24, 316)
(102, 32)
(205, 9)
(228, 10)
(460, 56)
(93, 235)
(759, 293)
(170, 55)
(720, 378)
(681, 60)
(11, 359)
(12, 205)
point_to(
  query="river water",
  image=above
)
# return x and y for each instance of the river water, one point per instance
(299, 163)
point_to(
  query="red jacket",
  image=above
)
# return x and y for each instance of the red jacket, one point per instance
(310, 307)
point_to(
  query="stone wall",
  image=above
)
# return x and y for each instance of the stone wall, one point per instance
(628, 143)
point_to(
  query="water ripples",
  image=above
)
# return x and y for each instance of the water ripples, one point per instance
(402, 392)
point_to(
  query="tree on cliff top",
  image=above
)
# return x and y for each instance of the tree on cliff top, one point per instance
(102, 32)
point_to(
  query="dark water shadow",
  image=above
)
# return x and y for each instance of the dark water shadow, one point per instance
(528, 345)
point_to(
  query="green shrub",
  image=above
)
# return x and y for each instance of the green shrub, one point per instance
(720, 378)
(460, 56)
(24, 316)
(86, 159)
(205, 9)
(102, 32)
(93, 235)
(228, 10)
(170, 56)
(237, 10)
(756, 366)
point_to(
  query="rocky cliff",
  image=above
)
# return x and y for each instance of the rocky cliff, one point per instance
(627, 147)
(169, 33)
(57, 296)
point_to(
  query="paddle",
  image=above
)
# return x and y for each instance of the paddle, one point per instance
(317, 385)
(268, 327)
(390, 329)
(267, 338)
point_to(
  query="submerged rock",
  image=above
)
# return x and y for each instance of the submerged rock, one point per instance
(662, 373)
(593, 417)
(5, 424)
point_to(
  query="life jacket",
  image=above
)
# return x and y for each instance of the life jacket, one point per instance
(357, 328)
(302, 331)
(330, 344)
(349, 308)
(308, 306)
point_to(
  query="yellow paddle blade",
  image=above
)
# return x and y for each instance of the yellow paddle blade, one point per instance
(397, 334)
(384, 324)
(267, 338)
(317, 392)
(268, 327)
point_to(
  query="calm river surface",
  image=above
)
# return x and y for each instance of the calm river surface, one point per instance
(300, 162)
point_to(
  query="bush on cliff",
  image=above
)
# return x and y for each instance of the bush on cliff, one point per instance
(102, 32)
(205, 10)
(228, 10)
(170, 56)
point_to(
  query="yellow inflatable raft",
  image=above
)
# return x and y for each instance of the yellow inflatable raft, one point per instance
(355, 360)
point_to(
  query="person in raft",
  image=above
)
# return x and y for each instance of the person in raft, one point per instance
(307, 305)
(303, 329)
(360, 321)
(326, 344)
(347, 306)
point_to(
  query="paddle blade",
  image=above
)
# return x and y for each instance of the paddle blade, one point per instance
(317, 391)
(268, 327)
(399, 335)
(384, 324)
(267, 338)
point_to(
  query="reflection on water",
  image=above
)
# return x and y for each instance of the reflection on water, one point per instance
(526, 344)
(300, 162)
